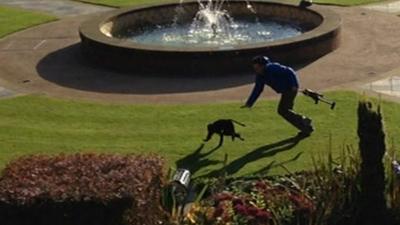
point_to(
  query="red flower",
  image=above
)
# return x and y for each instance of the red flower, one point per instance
(218, 212)
(237, 201)
(263, 215)
(241, 209)
(252, 211)
(261, 185)
(223, 197)
(302, 203)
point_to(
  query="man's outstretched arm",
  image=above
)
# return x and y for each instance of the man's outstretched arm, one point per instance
(258, 88)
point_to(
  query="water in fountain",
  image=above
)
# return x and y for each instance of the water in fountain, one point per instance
(213, 26)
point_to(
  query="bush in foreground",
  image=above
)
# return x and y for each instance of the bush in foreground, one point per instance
(82, 189)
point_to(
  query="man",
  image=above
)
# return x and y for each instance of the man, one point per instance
(305, 3)
(283, 80)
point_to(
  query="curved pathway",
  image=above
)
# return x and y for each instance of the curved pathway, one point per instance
(46, 59)
(60, 8)
(389, 86)
(386, 6)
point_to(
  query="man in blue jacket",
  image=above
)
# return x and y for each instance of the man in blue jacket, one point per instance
(283, 80)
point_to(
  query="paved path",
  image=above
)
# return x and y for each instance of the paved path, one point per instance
(6, 93)
(387, 6)
(390, 84)
(60, 8)
(46, 59)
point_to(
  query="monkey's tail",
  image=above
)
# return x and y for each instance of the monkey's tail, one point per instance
(241, 124)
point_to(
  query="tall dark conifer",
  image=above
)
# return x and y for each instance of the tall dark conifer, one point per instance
(372, 208)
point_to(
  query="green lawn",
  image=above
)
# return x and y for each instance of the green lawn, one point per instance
(347, 2)
(34, 124)
(119, 3)
(13, 19)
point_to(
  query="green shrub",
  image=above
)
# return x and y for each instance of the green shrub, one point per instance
(372, 205)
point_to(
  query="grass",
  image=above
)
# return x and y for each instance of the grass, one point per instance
(13, 19)
(35, 124)
(121, 3)
(346, 2)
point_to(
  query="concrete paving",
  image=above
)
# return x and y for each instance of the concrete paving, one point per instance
(60, 8)
(387, 7)
(6, 92)
(46, 59)
(388, 86)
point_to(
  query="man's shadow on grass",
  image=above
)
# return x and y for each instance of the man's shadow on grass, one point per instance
(197, 160)
(257, 154)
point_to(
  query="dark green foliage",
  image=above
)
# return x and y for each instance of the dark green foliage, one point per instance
(334, 185)
(324, 196)
(82, 189)
(372, 208)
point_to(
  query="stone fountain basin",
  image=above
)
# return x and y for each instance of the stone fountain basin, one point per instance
(100, 46)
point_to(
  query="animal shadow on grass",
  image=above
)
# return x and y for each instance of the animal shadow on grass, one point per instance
(197, 160)
(257, 154)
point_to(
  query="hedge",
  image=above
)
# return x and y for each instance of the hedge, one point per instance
(82, 189)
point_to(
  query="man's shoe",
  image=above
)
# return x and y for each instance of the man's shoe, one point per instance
(303, 134)
(307, 121)
(306, 132)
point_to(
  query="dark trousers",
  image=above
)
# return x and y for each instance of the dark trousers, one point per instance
(285, 109)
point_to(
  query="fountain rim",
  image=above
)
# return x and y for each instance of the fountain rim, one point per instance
(91, 29)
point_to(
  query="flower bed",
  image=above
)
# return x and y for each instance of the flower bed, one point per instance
(261, 202)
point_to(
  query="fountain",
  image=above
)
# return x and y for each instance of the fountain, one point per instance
(212, 26)
(208, 36)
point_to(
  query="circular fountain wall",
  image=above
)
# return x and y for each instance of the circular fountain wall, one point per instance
(118, 39)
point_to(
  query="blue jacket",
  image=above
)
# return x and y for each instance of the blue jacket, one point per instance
(279, 77)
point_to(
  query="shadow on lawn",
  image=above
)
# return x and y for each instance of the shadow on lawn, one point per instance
(197, 160)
